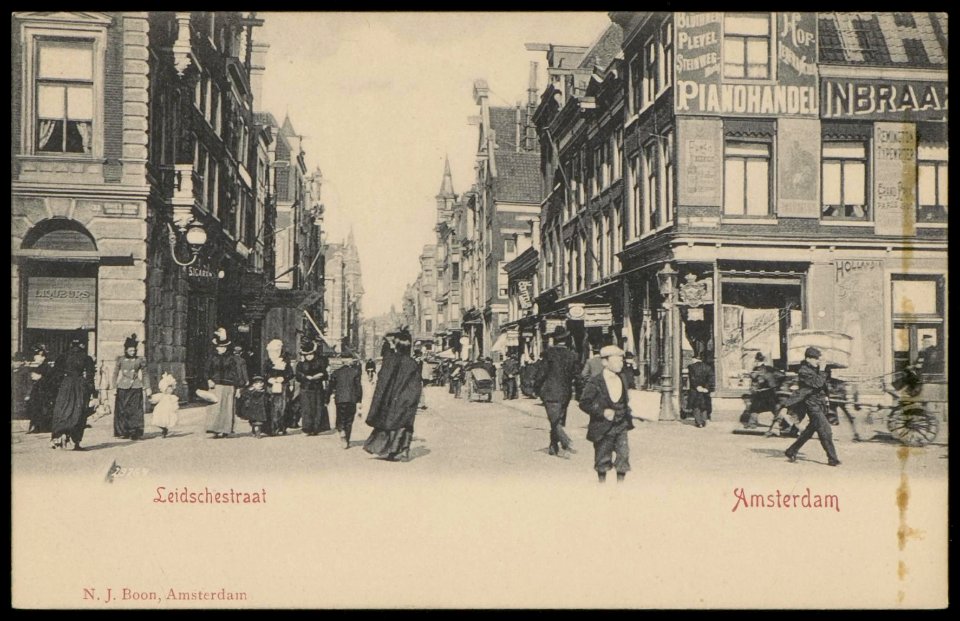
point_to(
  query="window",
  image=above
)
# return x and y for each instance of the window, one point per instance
(746, 179)
(429, 325)
(844, 181)
(211, 185)
(582, 250)
(509, 248)
(608, 245)
(207, 96)
(651, 211)
(666, 45)
(931, 183)
(64, 97)
(617, 159)
(636, 84)
(595, 264)
(651, 73)
(606, 149)
(582, 179)
(215, 105)
(667, 172)
(746, 45)
(597, 171)
(918, 323)
(201, 167)
(455, 272)
(618, 236)
(636, 198)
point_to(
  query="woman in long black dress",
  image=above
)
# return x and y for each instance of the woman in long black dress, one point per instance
(70, 410)
(43, 392)
(131, 381)
(394, 405)
(312, 375)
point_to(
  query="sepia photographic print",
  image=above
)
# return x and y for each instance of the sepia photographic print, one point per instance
(536, 310)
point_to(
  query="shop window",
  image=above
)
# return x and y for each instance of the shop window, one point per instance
(918, 324)
(746, 179)
(746, 45)
(931, 183)
(64, 97)
(844, 181)
(756, 315)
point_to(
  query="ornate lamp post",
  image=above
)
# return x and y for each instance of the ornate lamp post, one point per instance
(666, 278)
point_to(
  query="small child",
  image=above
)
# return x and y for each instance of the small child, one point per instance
(167, 404)
(253, 405)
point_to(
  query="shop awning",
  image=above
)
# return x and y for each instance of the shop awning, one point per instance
(447, 354)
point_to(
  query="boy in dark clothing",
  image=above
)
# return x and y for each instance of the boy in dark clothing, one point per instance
(253, 406)
(348, 393)
(605, 400)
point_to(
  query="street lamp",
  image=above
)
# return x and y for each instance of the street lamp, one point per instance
(195, 236)
(666, 278)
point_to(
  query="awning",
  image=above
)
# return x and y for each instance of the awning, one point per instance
(447, 354)
(501, 343)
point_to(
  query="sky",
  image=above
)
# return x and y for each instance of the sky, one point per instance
(381, 98)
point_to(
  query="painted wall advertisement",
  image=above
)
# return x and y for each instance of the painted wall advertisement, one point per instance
(901, 100)
(61, 303)
(858, 291)
(798, 175)
(792, 85)
(701, 161)
(895, 178)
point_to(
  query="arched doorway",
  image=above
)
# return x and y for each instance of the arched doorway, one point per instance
(59, 266)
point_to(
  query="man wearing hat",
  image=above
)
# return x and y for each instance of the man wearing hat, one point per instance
(764, 382)
(348, 393)
(131, 380)
(605, 399)
(701, 383)
(560, 368)
(312, 375)
(813, 395)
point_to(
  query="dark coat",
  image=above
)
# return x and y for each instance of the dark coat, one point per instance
(701, 375)
(317, 366)
(813, 389)
(560, 367)
(252, 406)
(346, 386)
(397, 395)
(596, 398)
(223, 369)
(76, 370)
(510, 367)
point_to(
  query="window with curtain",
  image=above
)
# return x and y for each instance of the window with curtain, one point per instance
(932, 183)
(844, 181)
(651, 194)
(651, 73)
(746, 45)
(667, 171)
(666, 47)
(64, 97)
(746, 179)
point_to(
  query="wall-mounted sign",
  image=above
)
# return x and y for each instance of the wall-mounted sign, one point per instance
(61, 303)
(524, 294)
(513, 338)
(576, 312)
(893, 100)
(790, 89)
(597, 316)
(895, 178)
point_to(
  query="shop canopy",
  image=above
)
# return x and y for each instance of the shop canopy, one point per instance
(447, 354)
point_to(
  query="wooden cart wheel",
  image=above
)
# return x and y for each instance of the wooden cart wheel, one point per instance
(913, 425)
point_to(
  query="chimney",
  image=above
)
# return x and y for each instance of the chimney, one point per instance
(258, 63)
(519, 127)
(531, 130)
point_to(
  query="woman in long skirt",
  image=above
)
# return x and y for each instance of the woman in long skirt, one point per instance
(223, 379)
(394, 405)
(278, 373)
(43, 391)
(70, 410)
(131, 380)
(312, 376)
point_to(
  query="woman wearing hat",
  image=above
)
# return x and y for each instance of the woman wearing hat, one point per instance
(224, 379)
(312, 375)
(70, 409)
(131, 380)
(394, 404)
(278, 373)
(42, 391)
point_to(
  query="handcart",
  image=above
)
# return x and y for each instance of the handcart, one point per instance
(479, 384)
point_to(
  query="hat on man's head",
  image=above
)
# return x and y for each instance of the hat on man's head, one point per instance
(39, 348)
(812, 352)
(610, 350)
(131, 341)
(308, 347)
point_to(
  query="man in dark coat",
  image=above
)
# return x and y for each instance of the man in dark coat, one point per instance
(76, 370)
(764, 382)
(701, 383)
(511, 369)
(371, 368)
(348, 393)
(457, 373)
(605, 399)
(560, 368)
(394, 404)
(813, 396)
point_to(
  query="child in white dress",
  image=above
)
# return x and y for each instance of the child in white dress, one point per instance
(167, 404)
